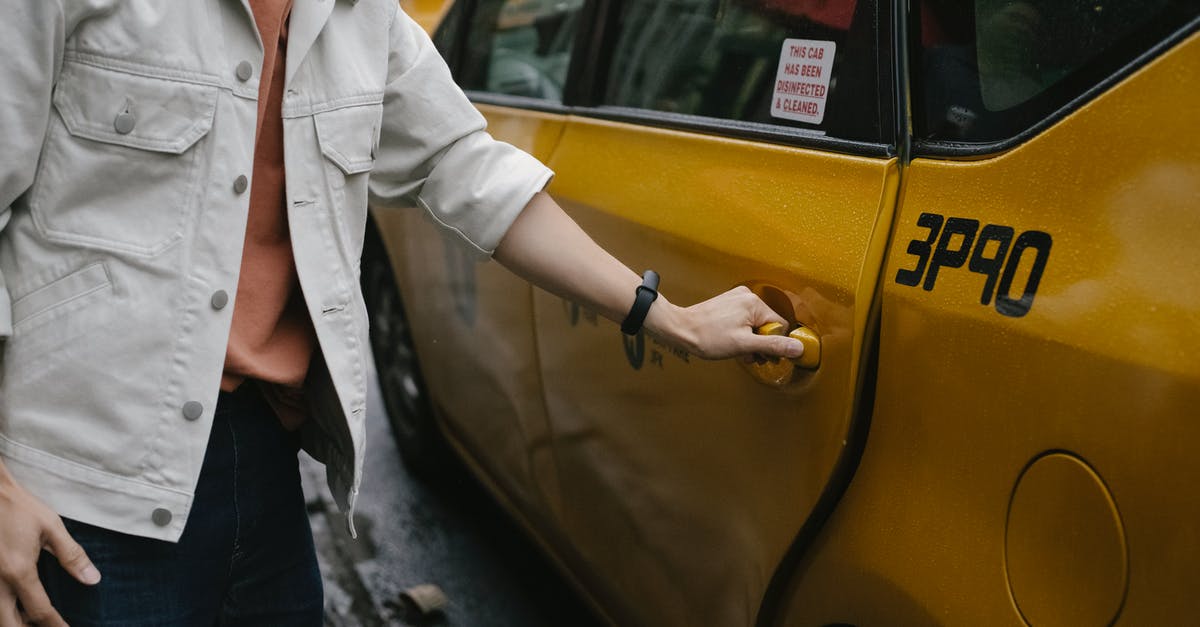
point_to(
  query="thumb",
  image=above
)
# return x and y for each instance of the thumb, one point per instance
(776, 346)
(68, 553)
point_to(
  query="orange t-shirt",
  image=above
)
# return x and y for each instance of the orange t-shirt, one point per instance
(272, 338)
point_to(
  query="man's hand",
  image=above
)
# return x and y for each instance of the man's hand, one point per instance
(28, 527)
(722, 327)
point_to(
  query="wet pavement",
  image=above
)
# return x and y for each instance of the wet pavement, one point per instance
(412, 533)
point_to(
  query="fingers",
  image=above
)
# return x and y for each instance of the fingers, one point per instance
(761, 314)
(9, 616)
(37, 606)
(68, 552)
(758, 311)
(774, 346)
(724, 326)
(770, 345)
(28, 527)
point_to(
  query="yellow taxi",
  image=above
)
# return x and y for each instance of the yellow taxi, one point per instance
(984, 213)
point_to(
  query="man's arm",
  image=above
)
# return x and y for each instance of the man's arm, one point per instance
(435, 153)
(547, 248)
(31, 45)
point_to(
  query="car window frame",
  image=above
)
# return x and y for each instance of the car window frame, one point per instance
(1097, 76)
(885, 147)
(896, 91)
(456, 54)
(587, 71)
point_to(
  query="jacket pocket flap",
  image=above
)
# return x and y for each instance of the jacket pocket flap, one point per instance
(117, 107)
(60, 292)
(348, 136)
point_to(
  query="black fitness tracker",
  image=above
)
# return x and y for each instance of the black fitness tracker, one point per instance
(647, 292)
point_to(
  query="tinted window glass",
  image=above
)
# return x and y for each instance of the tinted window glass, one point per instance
(800, 63)
(519, 47)
(991, 68)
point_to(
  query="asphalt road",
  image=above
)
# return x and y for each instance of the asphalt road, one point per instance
(411, 533)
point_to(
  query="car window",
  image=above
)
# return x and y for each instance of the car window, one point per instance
(799, 63)
(519, 47)
(989, 69)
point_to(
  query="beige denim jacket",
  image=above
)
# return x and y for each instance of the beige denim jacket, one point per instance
(125, 126)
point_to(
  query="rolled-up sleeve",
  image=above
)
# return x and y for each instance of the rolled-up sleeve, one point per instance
(435, 152)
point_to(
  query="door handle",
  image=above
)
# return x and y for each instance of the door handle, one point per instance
(811, 359)
(786, 373)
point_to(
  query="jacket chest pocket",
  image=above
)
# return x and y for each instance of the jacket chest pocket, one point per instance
(118, 169)
(348, 139)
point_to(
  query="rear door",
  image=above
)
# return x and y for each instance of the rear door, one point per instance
(721, 143)
(1032, 451)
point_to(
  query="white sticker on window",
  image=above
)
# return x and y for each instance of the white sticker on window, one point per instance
(802, 83)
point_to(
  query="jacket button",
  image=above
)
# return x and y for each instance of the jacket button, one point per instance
(192, 410)
(244, 71)
(240, 184)
(124, 123)
(161, 517)
(220, 299)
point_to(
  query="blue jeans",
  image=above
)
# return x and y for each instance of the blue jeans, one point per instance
(246, 556)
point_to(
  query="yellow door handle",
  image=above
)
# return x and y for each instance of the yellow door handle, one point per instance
(811, 359)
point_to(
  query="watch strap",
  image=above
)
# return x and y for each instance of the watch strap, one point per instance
(647, 292)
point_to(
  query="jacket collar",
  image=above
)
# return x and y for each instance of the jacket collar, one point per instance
(308, 18)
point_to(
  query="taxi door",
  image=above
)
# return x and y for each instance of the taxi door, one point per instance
(684, 482)
(473, 326)
(1032, 450)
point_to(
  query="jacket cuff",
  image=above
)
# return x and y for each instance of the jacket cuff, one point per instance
(480, 186)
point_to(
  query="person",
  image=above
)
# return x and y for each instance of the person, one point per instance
(183, 193)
